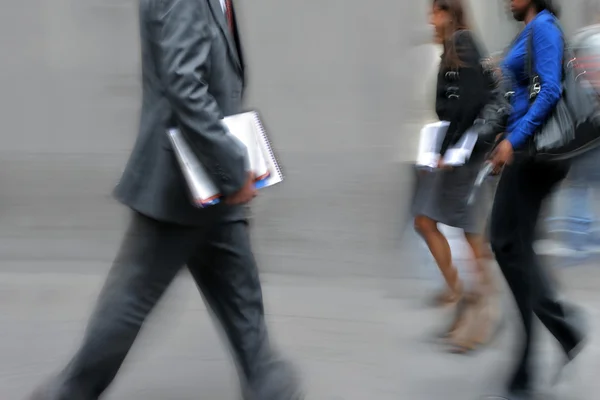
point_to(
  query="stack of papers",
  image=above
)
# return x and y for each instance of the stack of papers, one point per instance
(430, 143)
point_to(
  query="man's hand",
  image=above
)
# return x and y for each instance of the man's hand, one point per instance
(244, 195)
(502, 155)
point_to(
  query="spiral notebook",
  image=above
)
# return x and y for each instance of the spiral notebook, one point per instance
(248, 129)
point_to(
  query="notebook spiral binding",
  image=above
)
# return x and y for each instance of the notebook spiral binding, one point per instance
(263, 135)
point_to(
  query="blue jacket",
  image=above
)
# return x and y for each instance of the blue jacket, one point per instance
(547, 51)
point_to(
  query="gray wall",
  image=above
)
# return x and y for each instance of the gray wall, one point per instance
(494, 22)
(331, 78)
(343, 85)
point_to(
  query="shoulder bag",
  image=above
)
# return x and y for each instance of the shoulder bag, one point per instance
(573, 125)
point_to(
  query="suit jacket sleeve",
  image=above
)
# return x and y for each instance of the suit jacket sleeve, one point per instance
(184, 44)
(472, 86)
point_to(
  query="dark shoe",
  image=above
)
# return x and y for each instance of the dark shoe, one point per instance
(44, 393)
(39, 394)
(522, 395)
(47, 391)
(572, 353)
(566, 370)
(280, 381)
(50, 391)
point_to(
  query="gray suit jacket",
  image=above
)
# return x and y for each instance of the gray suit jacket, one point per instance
(192, 76)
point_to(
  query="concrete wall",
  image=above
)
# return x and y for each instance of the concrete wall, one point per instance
(493, 22)
(343, 85)
(332, 80)
(497, 28)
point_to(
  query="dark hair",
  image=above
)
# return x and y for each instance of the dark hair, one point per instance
(549, 5)
(458, 22)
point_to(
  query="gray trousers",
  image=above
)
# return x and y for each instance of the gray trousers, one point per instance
(221, 262)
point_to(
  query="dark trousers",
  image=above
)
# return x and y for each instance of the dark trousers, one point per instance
(522, 189)
(221, 262)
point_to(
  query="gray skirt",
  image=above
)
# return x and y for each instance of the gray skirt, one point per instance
(442, 195)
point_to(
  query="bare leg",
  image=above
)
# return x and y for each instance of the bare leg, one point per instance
(440, 250)
(476, 320)
(483, 272)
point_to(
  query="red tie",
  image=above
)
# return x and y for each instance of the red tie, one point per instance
(229, 14)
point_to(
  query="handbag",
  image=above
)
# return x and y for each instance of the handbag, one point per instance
(571, 128)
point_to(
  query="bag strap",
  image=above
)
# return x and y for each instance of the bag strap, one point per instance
(534, 80)
(535, 84)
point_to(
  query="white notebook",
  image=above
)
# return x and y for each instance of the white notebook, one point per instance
(430, 143)
(248, 129)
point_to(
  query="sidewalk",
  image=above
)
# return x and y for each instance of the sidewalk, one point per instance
(352, 338)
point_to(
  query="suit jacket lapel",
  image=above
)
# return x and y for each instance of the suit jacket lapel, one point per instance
(217, 10)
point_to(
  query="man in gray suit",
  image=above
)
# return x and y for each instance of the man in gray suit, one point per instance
(192, 75)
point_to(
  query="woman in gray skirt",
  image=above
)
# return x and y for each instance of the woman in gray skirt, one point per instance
(442, 195)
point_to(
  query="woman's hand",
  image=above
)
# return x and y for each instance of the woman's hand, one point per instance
(441, 165)
(502, 155)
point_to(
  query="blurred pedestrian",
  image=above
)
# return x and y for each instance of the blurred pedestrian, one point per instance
(192, 76)
(580, 190)
(525, 184)
(442, 195)
(583, 180)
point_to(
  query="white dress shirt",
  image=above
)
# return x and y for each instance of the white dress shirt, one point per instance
(223, 5)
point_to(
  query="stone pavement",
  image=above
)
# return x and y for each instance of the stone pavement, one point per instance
(354, 338)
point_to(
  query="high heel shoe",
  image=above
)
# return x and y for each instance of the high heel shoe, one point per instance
(451, 294)
(482, 325)
(458, 319)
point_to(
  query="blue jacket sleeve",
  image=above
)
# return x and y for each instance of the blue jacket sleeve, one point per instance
(547, 50)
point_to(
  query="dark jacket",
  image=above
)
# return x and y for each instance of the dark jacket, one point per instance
(192, 76)
(461, 92)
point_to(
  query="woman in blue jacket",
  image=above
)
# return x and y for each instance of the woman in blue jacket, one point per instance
(526, 183)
